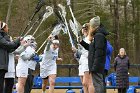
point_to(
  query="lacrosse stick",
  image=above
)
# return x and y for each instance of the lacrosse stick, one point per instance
(73, 28)
(45, 16)
(42, 32)
(55, 31)
(39, 18)
(38, 7)
(63, 15)
(75, 25)
(63, 19)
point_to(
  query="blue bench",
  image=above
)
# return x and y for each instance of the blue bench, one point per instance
(112, 79)
(62, 80)
(134, 79)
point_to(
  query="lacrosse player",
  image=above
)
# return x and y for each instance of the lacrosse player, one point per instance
(48, 67)
(86, 78)
(32, 64)
(23, 63)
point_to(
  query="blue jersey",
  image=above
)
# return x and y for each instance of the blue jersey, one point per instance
(108, 55)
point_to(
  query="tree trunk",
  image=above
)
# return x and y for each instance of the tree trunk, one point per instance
(136, 32)
(133, 29)
(116, 27)
(125, 26)
(9, 11)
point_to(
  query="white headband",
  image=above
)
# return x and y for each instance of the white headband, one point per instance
(3, 25)
(55, 41)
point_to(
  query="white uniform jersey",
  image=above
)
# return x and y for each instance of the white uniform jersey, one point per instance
(32, 64)
(83, 61)
(48, 65)
(84, 53)
(11, 67)
(22, 66)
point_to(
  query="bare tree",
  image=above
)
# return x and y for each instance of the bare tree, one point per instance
(126, 25)
(9, 11)
(136, 10)
(116, 27)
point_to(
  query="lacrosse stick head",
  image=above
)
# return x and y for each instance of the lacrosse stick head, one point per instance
(68, 2)
(79, 26)
(73, 28)
(39, 5)
(49, 11)
(64, 28)
(62, 9)
(56, 30)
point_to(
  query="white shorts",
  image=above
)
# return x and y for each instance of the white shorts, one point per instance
(49, 70)
(21, 71)
(10, 75)
(83, 68)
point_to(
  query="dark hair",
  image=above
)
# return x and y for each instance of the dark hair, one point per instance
(56, 37)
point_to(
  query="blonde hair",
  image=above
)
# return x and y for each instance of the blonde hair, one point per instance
(123, 50)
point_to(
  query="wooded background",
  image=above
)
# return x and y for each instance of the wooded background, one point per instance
(120, 17)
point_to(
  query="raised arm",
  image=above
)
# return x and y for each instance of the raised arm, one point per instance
(47, 48)
(19, 50)
(84, 44)
(22, 47)
(28, 53)
(8, 45)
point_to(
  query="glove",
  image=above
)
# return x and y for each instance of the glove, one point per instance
(36, 58)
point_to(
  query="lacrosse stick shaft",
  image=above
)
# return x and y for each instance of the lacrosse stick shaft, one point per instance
(45, 16)
(75, 23)
(55, 31)
(28, 24)
(69, 3)
(38, 27)
(63, 15)
(74, 19)
(39, 18)
(31, 27)
(70, 37)
(71, 13)
(71, 41)
(42, 45)
(43, 32)
(38, 7)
